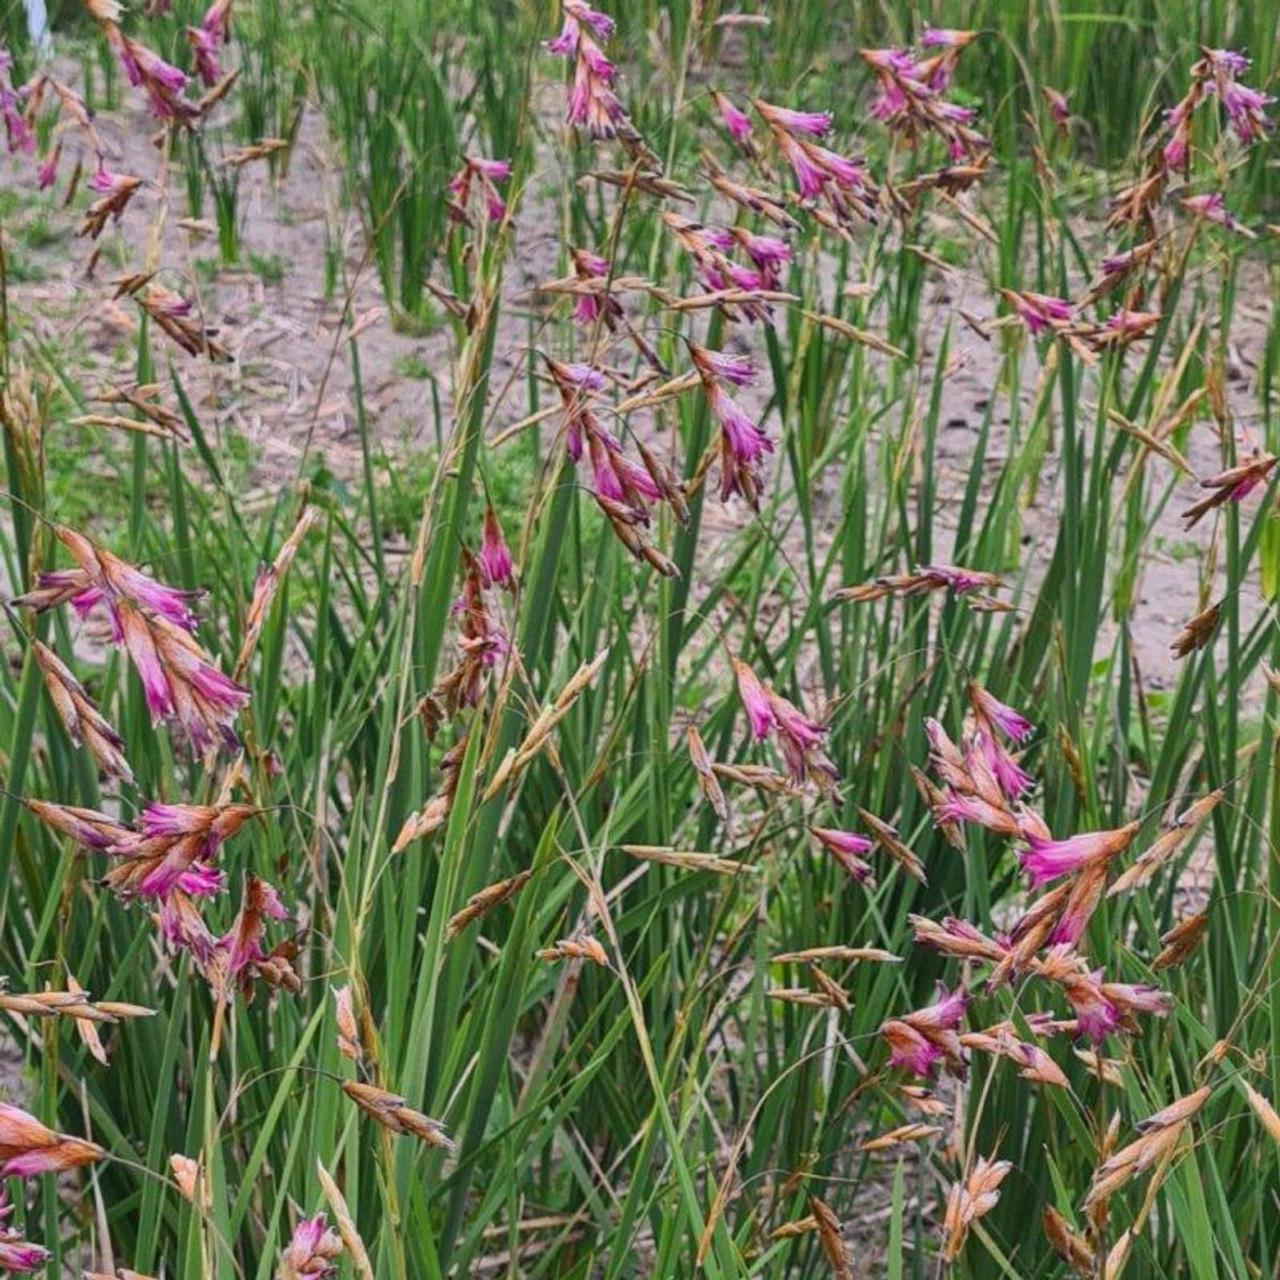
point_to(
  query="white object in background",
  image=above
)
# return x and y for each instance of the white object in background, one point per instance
(38, 26)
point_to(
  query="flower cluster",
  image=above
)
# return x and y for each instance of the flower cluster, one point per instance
(911, 93)
(622, 488)
(800, 741)
(154, 623)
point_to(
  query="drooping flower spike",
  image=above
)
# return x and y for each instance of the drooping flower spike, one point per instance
(926, 578)
(1004, 1041)
(395, 1115)
(1046, 859)
(162, 83)
(999, 715)
(920, 1040)
(1101, 1007)
(153, 622)
(16, 1254)
(19, 135)
(177, 316)
(843, 181)
(482, 642)
(1039, 312)
(704, 771)
(1118, 267)
(240, 959)
(743, 445)
(1059, 107)
(1160, 1135)
(101, 578)
(267, 583)
(85, 724)
(969, 1200)
(181, 683)
(174, 848)
(115, 190)
(1167, 844)
(709, 249)
(496, 564)
(736, 122)
(848, 849)
(1211, 207)
(475, 181)
(954, 937)
(768, 255)
(752, 199)
(592, 101)
(28, 1148)
(207, 39)
(1245, 108)
(799, 739)
(910, 101)
(1233, 485)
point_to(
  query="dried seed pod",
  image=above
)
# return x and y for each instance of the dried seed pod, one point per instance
(481, 903)
(348, 1031)
(902, 1134)
(585, 947)
(1197, 632)
(394, 1114)
(1181, 941)
(828, 1226)
(1069, 1245)
(970, 1200)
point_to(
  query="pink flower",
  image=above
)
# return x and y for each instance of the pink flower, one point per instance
(1082, 902)
(310, 1253)
(736, 122)
(204, 54)
(917, 1040)
(945, 38)
(1039, 311)
(722, 366)
(847, 848)
(584, 15)
(800, 740)
(1103, 1007)
(1175, 152)
(480, 174)
(1212, 208)
(1246, 109)
(19, 136)
(810, 177)
(19, 1256)
(961, 581)
(1047, 859)
(958, 807)
(575, 376)
(844, 171)
(141, 646)
(1012, 779)
(28, 1148)
(47, 173)
(908, 1048)
(1011, 723)
(1059, 107)
(746, 441)
(1227, 62)
(755, 700)
(764, 251)
(813, 124)
(495, 560)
